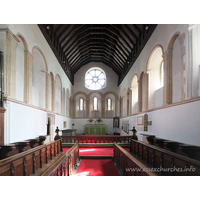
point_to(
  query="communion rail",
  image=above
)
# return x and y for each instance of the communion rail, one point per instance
(163, 161)
(96, 139)
(29, 162)
(127, 164)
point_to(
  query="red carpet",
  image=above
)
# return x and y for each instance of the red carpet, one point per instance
(95, 151)
(66, 149)
(97, 167)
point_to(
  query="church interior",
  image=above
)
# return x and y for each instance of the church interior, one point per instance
(99, 100)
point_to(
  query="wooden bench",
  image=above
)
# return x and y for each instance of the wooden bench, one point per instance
(128, 165)
(29, 162)
(168, 162)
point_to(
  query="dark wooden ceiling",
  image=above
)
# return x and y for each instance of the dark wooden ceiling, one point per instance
(117, 46)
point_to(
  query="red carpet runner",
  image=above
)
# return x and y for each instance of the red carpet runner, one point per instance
(97, 167)
(95, 151)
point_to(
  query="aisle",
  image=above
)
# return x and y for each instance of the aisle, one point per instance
(97, 167)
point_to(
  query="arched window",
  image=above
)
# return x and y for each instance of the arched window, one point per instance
(81, 104)
(109, 104)
(95, 103)
(95, 79)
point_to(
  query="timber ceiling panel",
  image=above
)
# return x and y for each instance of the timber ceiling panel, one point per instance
(117, 46)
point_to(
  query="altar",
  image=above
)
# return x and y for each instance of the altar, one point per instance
(95, 129)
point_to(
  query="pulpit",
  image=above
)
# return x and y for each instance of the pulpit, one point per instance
(95, 129)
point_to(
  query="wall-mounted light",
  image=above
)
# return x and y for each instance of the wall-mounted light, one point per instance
(47, 27)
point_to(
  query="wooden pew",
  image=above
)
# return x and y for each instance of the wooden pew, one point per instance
(168, 162)
(29, 162)
(18, 147)
(63, 166)
(128, 165)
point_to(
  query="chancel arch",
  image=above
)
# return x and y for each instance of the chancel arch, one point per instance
(155, 80)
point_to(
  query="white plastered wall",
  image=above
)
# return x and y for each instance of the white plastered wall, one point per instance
(25, 121)
(180, 122)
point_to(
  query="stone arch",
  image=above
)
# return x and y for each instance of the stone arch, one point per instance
(152, 52)
(27, 77)
(77, 96)
(110, 92)
(40, 79)
(169, 68)
(113, 109)
(154, 73)
(98, 92)
(92, 112)
(38, 48)
(80, 92)
(23, 40)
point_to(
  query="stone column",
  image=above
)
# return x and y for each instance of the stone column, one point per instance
(146, 90)
(140, 95)
(70, 114)
(116, 106)
(167, 88)
(61, 102)
(47, 91)
(127, 106)
(165, 78)
(130, 101)
(87, 107)
(183, 79)
(53, 95)
(10, 65)
(28, 77)
(102, 107)
(189, 35)
(121, 107)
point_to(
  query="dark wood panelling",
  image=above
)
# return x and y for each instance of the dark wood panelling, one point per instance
(127, 165)
(2, 111)
(28, 162)
(167, 162)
